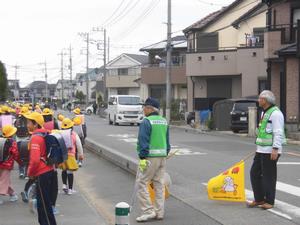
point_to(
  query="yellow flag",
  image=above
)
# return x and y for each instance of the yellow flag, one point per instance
(229, 185)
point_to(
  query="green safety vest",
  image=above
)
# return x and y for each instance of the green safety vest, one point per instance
(264, 138)
(158, 137)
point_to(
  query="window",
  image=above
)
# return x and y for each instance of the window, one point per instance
(129, 100)
(262, 85)
(207, 42)
(123, 91)
(123, 71)
(296, 16)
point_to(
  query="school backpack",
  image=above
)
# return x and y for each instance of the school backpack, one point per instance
(56, 149)
(5, 144)
(21, 125)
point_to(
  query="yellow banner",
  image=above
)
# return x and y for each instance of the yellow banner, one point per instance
(229, 185)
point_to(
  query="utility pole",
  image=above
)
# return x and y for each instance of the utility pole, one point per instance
(87, 68)
(168, 64)
(62, 75)
(87, 39)
(46, 79)
(71, 68)
(108, 49)
(16, 76)
(104, 68)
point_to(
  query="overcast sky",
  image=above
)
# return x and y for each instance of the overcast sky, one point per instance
(34, 31)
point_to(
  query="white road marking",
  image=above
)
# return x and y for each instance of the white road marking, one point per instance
(129, 140)
(286, 209)
(290, 189)
(288, 163)
(186, 151)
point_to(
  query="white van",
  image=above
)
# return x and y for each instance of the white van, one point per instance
(125, 109)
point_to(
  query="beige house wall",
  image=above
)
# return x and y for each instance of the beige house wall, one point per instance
(121, 81)
(246, 27)
(292, 87)
(229, 37)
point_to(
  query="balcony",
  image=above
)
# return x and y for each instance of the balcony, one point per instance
(154, 74)
(225, 63)
(277, 37)
(120, 81)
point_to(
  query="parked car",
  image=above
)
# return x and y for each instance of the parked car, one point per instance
(239, 114)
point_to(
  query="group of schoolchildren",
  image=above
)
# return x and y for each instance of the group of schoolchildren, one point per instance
(24, 133)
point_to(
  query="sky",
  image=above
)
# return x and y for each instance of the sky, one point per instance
(37, 31)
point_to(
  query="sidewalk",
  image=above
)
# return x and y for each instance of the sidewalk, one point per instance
(73, 210)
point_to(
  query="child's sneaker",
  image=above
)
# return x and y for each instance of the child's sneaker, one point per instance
(71, 191)
(80, 163)
(65, 188)
(24, 196)
(13, 198)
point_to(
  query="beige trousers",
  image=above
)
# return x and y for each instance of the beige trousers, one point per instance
(155, 172)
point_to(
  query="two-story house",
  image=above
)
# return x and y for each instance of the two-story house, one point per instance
(95, 76)
(282, 53)
(123, 73)
(153, 77)
(225, 54)
(67, 87)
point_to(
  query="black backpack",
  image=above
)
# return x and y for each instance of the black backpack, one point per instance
(21, 125)
(56, 149)
(5, 145)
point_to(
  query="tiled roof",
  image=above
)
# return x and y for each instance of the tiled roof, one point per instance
(204, 21)
(177, 42)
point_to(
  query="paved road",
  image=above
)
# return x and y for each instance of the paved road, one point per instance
(203, 156)
(105, 184)
(74, 210)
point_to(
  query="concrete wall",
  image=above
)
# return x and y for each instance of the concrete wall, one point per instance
(292, 86)
(209, 67)
(236, 87)
(251, 67)
(157, 75)
(121, 81)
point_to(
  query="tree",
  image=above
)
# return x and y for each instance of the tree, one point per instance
(79, 95)
(3, 82)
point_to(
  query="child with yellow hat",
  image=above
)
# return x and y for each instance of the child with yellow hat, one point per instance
(7, 164)
(70, 165)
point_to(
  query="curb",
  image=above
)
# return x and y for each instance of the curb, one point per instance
(115, 157)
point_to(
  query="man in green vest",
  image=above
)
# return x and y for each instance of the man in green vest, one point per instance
(269, 141)
(153, 147)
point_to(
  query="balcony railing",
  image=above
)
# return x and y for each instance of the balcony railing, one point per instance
(288, 32)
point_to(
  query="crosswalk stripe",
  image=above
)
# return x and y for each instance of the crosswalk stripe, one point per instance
(290, 189)
(286, 209)
(288, 163)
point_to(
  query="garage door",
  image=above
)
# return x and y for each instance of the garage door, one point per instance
(219, 87)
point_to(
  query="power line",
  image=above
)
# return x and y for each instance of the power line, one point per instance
(139, 19)
(123, 13)
(112, 15)
(209, 3)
